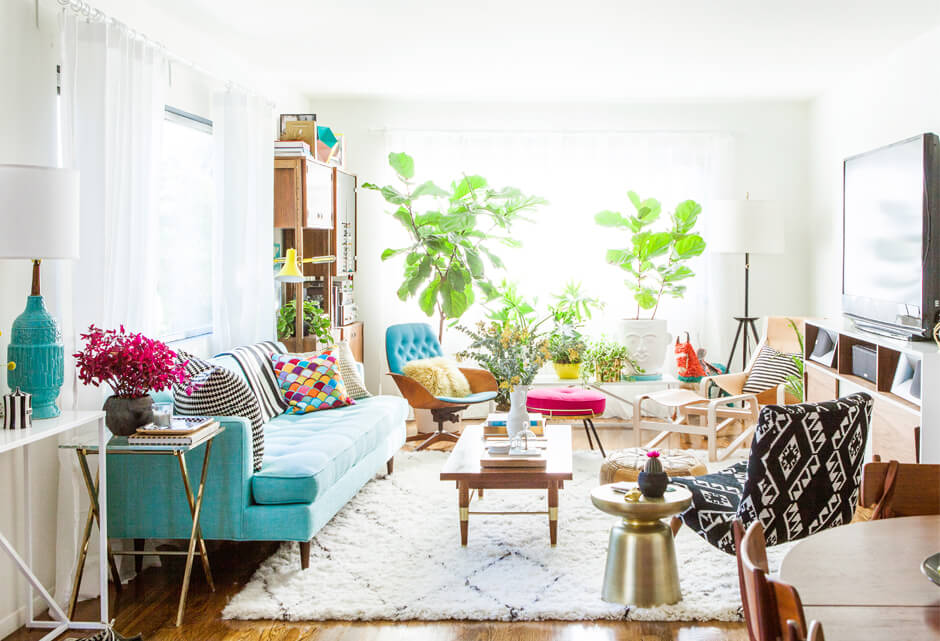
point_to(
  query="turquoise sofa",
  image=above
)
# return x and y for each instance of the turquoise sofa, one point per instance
(313, 465)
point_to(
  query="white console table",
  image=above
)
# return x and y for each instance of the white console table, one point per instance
(21, 440)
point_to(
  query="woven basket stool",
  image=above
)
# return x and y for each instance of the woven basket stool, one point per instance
(625, 465)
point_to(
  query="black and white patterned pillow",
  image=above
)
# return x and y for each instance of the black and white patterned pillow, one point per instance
(770, 369)
(220, 392)
(255, 361)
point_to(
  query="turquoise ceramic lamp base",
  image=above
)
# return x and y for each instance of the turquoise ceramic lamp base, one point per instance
(36, 348)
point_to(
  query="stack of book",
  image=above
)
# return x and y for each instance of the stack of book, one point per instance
(182, 431)
(291, 148)
(495, 424)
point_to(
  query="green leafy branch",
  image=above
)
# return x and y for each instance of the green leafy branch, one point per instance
(444, 262)
(654, 260)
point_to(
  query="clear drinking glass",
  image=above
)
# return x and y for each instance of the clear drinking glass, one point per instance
(162, 413)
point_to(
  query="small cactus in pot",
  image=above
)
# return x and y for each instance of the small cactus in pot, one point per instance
(653, 480)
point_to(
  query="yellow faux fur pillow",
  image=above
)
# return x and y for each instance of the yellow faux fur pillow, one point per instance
(439, 375)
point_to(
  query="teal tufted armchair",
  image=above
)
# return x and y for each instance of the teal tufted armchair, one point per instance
(413, 341)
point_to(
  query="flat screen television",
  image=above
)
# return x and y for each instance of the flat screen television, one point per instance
(891, 238)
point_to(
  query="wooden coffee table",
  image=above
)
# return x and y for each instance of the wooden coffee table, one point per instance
(463, 466)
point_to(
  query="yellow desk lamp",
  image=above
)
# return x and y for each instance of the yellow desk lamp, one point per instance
(291, 272)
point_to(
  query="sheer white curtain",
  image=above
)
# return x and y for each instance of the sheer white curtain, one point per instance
(581, 173)
(242, 278)
(111, 112)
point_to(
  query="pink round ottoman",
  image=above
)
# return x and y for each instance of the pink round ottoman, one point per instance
(569, 402)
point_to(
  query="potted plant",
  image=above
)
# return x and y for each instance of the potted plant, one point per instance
(608, 359)
(566, 345)
(444, 264)
(566, 351)
(132, 365)
(655, 263)
(512, 354)
(316, 321)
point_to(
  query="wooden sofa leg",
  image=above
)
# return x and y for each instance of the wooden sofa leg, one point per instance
(390, 465)
(138, 559)
(304, 555)
(674, 525)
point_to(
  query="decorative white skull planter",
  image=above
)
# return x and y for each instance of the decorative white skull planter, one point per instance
(647, 341)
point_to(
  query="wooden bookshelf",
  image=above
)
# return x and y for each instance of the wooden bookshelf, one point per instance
(315, 213)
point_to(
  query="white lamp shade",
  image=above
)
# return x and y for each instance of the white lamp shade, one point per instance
(39, 211)
(744, 226)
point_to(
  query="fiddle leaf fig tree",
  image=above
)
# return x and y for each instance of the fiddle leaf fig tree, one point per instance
(655, 260)
(451, 232)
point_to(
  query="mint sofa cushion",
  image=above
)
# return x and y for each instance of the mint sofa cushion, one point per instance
(306, 454)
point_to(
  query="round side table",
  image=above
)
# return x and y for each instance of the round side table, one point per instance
(641, 556)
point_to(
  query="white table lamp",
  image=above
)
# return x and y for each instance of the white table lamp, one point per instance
(745, 227)
(39, 209)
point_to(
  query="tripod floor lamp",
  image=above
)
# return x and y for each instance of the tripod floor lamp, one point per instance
(745, 227)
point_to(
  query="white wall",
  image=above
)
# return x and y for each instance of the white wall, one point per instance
(769, 150)
(28, 133)
(28, 57)
(895, 99)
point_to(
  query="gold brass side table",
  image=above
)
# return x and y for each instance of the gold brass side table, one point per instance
(641, 556)
(119, 445)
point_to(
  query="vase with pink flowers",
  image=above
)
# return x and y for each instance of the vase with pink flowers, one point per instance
(132, 365)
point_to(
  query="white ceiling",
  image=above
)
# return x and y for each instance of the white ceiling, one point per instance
(627, 50)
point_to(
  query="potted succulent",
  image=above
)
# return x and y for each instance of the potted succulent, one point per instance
(132, 365)
(608, 359)
(655, 263)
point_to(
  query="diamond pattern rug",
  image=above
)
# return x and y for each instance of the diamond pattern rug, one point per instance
(393, 553)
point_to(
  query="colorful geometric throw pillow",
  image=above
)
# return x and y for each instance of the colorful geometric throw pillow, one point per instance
(310, 383)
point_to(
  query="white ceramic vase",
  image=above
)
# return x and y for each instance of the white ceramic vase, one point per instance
(647, 341)
(518, 419)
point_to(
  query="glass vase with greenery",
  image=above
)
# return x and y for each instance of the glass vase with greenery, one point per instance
(608, 359)
(450, 236)
(655, 261)
(512, 354)
(316, 321)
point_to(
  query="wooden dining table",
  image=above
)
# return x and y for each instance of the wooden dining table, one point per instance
(863, 581)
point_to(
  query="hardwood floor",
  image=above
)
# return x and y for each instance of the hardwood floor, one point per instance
(148, 605)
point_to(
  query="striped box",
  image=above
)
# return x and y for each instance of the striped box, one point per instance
(17, 410)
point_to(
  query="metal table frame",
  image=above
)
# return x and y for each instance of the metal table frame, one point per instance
(195, 508)
(21, 439)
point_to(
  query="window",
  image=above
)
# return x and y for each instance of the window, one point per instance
(187, 200)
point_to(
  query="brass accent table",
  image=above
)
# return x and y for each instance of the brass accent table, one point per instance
(641, 556)
(463, 466)
(119, 445)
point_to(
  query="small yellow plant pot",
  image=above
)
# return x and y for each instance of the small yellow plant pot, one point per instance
(568, 370)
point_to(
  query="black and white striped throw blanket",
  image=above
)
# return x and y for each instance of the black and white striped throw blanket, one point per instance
(255, 361)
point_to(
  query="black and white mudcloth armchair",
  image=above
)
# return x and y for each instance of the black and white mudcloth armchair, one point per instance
(802, 475)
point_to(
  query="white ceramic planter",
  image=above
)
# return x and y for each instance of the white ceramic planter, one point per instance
(647, 341)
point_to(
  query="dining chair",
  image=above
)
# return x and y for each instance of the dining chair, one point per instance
(815, 632)
(412, 341)
(802, 475)
(769, 604)
(900, 489)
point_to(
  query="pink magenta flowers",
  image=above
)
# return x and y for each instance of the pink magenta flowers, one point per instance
(131, 364)
(653, 454)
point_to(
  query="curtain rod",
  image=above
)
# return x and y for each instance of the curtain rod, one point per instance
(433, 130)
(93, 14)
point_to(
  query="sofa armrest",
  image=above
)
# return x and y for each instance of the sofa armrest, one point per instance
(146, 497)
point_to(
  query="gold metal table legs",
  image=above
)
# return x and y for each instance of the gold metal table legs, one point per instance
(195, 537)
(641, 565)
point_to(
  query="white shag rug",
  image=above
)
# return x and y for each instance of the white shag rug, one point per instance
(394, 553)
